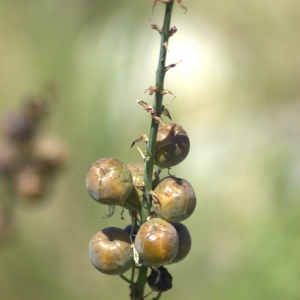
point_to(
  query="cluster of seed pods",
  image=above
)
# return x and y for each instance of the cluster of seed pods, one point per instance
(163, 239)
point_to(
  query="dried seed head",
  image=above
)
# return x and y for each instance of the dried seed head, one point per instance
(160, 280)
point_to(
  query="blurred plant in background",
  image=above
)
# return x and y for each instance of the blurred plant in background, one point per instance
(29, 157)
(240, 71)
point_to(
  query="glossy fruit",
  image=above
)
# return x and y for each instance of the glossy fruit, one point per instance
(176, 199)
(134, 201)
(172, 145)
(110, 251)
(157, 242)
(185, 242)
(109, 181)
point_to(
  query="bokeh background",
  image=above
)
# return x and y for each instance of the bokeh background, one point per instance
(238, 97)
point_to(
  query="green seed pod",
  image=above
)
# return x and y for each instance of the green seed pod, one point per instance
(110, 251)
(133, 202)
(156, 242)
(109, 181)
(185, 242)
(176, 199)
(172, 145)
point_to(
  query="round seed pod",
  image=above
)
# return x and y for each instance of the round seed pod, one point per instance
(185, 242)
(176, 199)
(110, 251)
(133, 202)
(156, 242)
(109, 181)
(172, 145)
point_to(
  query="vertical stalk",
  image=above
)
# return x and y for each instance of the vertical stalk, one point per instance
(160, 76)
(150, 151)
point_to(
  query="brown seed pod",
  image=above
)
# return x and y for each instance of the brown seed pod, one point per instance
(110, 251)
(157, 242)
(176, 199)
(185, 242)
(109, 181)
(172, 145)
(133, 202)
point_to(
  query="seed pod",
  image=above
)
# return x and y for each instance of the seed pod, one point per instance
(133, 202)
(160, 281)
(109, 181)
(185, 242)
(110, 251)
(172, 145)
(157, 242)
(176, 199)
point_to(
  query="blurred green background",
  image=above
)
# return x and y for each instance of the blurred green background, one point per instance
(238, 97)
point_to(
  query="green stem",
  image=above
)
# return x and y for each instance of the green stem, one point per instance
(126, 279)
(141, 282)
(150, 151)
(160, 76)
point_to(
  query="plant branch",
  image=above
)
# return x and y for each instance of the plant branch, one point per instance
(160, 76)
(151, 145)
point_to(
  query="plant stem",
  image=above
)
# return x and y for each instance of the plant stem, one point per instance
(150, 151)
(160, 76)
(141, 282)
